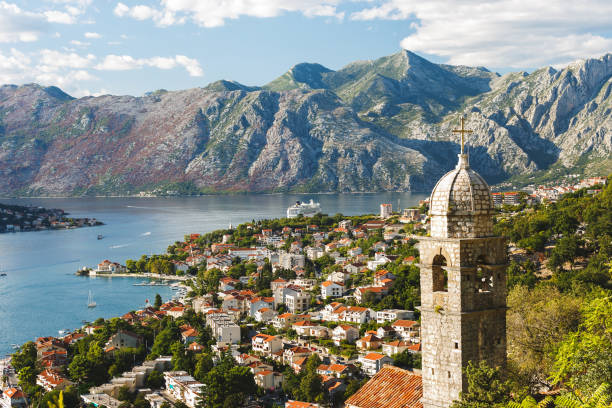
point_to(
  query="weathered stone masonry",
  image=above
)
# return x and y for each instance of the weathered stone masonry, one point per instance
(463, 285)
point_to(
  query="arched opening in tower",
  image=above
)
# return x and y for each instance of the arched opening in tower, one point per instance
(484, 276)
(439, 274)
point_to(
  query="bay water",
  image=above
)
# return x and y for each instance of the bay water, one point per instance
(41, 293)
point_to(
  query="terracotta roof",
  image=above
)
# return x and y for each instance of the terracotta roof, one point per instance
(404, 323)
(14, 393)
(299, 404)
(374, 356)
(415, 347)
(264, 372)
(382, 390)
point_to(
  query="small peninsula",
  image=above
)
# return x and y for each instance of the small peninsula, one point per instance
(16, 218)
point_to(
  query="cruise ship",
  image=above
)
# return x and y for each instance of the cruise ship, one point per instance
(305, 209)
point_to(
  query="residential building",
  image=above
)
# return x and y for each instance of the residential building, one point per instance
(12, 397)
(369, 342)
(266, 344)
(386, 210)
(284, 321)
(265, 315)
(372, 363)
(345, 332)
(357, 314)
(260, 303)
(395, 347)
(331, 289)
(51, 379)
(122, 339)
(223, 327)
(297, 301)
(303, 327)
(407, 329)
(300, 404)
(183, 387)
(269, 380)
(290, 261)
(391, 315)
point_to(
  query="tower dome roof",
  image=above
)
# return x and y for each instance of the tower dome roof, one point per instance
(461, 191)
(461, 204)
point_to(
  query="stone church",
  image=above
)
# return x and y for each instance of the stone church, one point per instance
(463, 296)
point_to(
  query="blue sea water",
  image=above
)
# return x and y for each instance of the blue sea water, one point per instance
(41, 294)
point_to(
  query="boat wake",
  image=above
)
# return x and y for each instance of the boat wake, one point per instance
(118, 246)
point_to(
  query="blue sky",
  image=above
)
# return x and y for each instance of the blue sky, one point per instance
(90, 47)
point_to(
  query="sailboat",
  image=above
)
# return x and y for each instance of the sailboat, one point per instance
(90, 301)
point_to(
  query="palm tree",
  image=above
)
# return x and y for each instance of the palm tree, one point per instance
(601, 398)
(530, 402)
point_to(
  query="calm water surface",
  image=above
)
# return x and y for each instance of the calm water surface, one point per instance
(41, 295)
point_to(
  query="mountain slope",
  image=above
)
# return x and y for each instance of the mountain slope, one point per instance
(372, 125)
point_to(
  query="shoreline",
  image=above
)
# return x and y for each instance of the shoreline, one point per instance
(213, 195)
(137, 275)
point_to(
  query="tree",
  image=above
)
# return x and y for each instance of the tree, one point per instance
(584, 359)
(25, 357)
(155, 380)
(602, 397)
(227, 379)
(158, 301)
(536, 320)
(203, 365)
(27, 376)
(79, 369)
(486, 388)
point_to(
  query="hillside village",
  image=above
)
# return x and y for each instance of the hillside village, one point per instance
(271, 295)
(297, 313)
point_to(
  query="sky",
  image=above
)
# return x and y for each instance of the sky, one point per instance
(94, 47)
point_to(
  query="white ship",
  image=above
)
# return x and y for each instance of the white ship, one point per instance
(305, 209)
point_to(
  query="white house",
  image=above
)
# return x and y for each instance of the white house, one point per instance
(371, 363)
(183, 387)
(266, 344)
(265, 314)
(331, 289)
(391, 315)
(345, 332)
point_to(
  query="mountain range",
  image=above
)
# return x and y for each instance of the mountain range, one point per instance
(370, 126)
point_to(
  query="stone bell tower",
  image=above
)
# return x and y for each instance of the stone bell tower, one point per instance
(463, 284)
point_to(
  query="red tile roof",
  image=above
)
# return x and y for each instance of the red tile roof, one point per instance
(382, 390)
(374, 356)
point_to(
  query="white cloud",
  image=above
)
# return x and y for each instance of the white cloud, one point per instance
(126, 62)
(191, 65)
(92, 35)
(501, 33)
(80, 43)
(61, 17)
(213, 13)
(17, 25)
(71, 70)
(56, 59)
(118, 63)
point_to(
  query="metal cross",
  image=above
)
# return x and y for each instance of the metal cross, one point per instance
(462, 131)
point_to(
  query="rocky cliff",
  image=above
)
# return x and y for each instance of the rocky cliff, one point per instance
(373, 125)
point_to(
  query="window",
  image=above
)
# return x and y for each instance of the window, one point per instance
(439, 274)
(456, 345)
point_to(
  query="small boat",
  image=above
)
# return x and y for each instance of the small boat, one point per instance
(64, 331)
(100, 236)
(15, 346)
(2, 274)
(90, 301)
